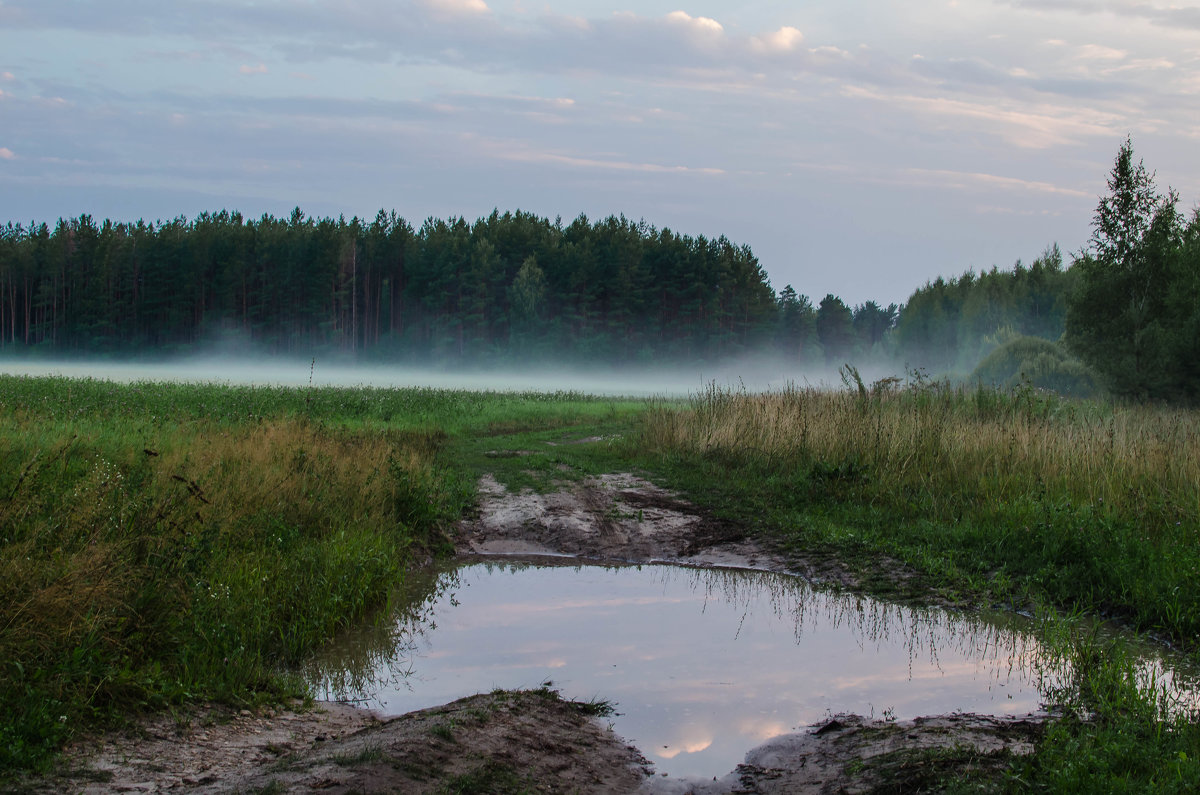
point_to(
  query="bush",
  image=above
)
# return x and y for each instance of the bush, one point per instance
(1039, 363)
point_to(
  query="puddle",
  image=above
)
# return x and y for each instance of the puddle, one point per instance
(701, 664)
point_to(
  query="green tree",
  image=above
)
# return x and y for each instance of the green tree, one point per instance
(1117, 319)
(797, 324)
(525, 297)
(872, 322)
(835, 329)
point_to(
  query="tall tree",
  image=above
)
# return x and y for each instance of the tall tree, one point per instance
(872, 322)
(835, 329)
(1116, 320)
(797, 324)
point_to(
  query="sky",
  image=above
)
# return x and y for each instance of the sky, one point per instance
(859, 147)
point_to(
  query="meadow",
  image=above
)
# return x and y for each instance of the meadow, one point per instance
(1084, 514)
(168, 543)
(165, 544)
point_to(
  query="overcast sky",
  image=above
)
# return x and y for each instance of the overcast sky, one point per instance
(860, 147)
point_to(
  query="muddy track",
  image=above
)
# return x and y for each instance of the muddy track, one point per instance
(528, 741)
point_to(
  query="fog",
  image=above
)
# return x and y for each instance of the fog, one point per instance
(670, 380)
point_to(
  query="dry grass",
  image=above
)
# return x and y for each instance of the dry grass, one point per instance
(139, 566)
(944, 443)
(1018, 498)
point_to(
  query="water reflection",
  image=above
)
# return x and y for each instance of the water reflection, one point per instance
(703, 664)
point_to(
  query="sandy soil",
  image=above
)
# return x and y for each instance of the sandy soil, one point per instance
(530, 741)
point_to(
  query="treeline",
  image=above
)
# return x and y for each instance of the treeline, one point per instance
(517, 287)
(1124, 317)
(951, 324)
(507, 288)
(507, 285)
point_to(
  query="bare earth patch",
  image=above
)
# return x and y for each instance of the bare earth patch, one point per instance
(527, 741)
(615, 517)
(532, 741)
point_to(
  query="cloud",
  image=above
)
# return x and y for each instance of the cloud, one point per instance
(524, 154)
(257, 69)
(6, 153)
(705, 25)
(7, 76)
(785, 39)
(1027, 125)
(457, 6)
(1098, 52)
(964, 179)
(1174, 16)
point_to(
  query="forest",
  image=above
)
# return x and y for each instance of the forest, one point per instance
(514, 288)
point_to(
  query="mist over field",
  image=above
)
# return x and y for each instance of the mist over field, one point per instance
(670, 380)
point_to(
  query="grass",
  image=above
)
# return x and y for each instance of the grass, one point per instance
(1020, 497)
(364, 756)
(490, 778)
(167, 543)
(1083, 511)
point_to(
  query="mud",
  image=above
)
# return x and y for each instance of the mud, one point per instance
(615, 517)
(531, 741)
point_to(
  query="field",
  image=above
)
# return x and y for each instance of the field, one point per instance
(172, 544)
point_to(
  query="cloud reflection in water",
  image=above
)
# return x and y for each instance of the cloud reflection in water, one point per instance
(702, 664)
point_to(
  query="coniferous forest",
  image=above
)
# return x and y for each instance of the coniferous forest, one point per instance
(511, 286)
(514, 288)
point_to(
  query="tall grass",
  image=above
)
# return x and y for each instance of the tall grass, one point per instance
(1083, 504)
(149, 559)
(1083, 510)
(164, 542)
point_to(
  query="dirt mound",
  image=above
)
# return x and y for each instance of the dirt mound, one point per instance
(497, 742)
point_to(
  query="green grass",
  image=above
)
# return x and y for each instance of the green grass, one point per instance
(1081, 510)
(990, 496)
(364, 756)
(490, 778)
(168, 543)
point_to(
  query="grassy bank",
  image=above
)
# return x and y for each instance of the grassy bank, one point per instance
(1077, 510)
(167, 543)
(164, 543)
(1019, 497)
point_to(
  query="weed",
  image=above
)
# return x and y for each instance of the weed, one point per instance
(364, 756)
(444, 731)
(596, 707)
(491, 778)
